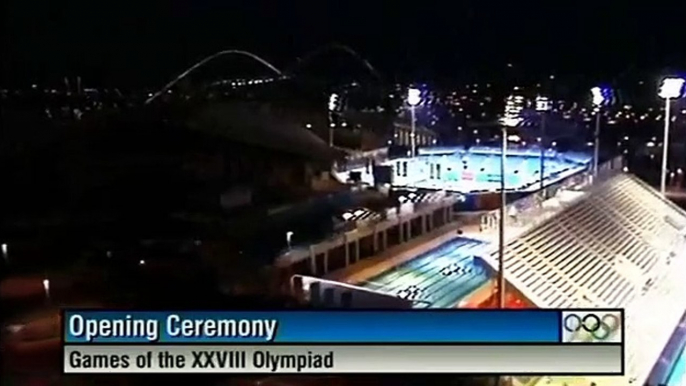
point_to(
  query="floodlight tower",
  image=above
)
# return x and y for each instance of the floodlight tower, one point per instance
(542, 106)
(511, 119)
(598, 99)
(333, 106)
(671, 88)
(414, 98)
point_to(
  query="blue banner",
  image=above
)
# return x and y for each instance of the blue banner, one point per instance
(330, 326)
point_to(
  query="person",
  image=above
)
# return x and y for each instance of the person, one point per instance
(512, 212)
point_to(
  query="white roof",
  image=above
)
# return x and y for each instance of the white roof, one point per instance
(621, 246)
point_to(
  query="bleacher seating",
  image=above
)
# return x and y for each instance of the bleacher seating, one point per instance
(612, 249)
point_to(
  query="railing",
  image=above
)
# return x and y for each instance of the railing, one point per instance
(359, 159)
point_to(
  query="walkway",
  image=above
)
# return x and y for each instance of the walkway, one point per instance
(398, 255)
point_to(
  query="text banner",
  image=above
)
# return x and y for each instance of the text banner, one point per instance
(354, 326)
(604, 359)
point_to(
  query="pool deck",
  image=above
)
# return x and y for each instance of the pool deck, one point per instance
(394, 256)
(400, 254)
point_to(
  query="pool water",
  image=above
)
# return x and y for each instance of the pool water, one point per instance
(439, 278)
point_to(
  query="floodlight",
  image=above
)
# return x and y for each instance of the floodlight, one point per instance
(333, 102)
(542, 103)
(598, 97)
(289, 238)
(414, 97)
(672, 88)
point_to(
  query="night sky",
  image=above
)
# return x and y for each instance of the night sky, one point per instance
(144, 42)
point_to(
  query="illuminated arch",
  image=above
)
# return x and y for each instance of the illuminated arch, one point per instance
(335, 47)
(209, 59)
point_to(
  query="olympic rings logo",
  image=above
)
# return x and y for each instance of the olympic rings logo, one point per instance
(600, 327)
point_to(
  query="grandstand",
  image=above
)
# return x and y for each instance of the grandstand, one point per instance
(620, 246)
(615, 244)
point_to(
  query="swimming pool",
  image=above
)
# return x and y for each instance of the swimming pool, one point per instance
(439, 278)
(477, 169)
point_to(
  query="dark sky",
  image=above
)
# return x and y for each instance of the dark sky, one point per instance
(145, 42)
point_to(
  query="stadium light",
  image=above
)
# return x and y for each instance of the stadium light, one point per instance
(599, 98)
(334, 101)
(46, 288)
(414, 98)
(289, 238)
(671, 88)
(513, 109)
(542, 106)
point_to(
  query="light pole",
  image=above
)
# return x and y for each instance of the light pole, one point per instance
(333, 105)
(414, 97)
(511, 119)
(598, 100)
(501, 236)
(542, 106)
(671, 88)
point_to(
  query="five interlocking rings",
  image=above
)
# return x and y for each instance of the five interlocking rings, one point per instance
(599, 327)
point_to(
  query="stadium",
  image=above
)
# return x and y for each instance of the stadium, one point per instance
(583, 241)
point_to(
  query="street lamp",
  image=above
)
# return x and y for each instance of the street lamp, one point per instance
(414, 97)
(542, 106)
(4, 253)
(333, 106)
(671, 88)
